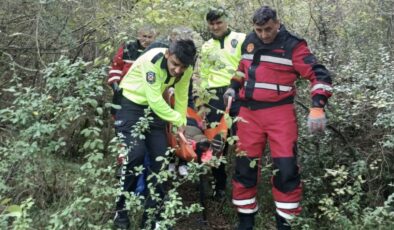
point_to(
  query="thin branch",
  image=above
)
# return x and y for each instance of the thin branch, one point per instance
(83, 43)
(37, 42)
(17, 65)
(60, 32)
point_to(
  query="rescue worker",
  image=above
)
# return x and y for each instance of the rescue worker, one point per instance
(142, 88)
(121, 63)
(272, 60)
(179, 32)
(124, 59)
(225, 47)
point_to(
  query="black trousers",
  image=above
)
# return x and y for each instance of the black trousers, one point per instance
(218, 104)
(154, 144)
(116, 99)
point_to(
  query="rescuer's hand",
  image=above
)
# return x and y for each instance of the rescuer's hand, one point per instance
(115, 87)
(316, 120)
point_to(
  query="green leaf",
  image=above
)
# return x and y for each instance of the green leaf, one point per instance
(11, 90)
(5, 201)
(160, 158)
(253, 163)
(114, 106)
(14, 211)
(93, 103)
(99, 110)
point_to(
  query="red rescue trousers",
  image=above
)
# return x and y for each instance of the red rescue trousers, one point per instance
(278, 126)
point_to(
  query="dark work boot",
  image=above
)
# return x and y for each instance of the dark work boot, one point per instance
(118, 173)
(219, 195)
(148, 221)
(246, 221)
(281, 223)
(121, 220)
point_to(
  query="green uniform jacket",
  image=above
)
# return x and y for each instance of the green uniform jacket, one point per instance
(146, 81)
(220, 59)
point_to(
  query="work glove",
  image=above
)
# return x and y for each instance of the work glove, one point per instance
(316, 120)
(230, 92)
(115, 88)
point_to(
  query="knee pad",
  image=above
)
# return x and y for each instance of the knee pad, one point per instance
(287, 178)
(245, 174)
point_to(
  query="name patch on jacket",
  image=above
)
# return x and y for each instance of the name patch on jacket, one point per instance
(150, 77)
(250, 47)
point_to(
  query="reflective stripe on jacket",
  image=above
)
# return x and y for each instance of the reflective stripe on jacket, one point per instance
(123, 60)
(269, 71)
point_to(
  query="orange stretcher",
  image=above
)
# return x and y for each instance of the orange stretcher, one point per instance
(185, 148)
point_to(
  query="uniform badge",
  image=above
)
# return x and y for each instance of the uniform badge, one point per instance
(234, 43)
(250, 47)
(150, 77)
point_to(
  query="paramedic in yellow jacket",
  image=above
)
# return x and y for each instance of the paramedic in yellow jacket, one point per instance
(220, 57)
(143, 87)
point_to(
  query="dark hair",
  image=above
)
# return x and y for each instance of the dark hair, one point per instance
(184, 50)
(215, 14)
(263, 15)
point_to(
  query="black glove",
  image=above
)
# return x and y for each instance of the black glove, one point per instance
(115, 87)
(117, 91)
(319, 101)
(117, 97)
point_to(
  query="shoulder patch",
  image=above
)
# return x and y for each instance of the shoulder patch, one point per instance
(157, 57)
(234, 43)
(151, 77)
(250, 47)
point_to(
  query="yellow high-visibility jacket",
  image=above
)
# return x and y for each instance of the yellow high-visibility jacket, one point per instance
(220, 59)
(146, 81)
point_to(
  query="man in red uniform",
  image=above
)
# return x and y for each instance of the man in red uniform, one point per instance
(125, 58)
(272, 60)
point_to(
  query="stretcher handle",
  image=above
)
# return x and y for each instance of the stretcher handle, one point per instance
(182, 136)
(170, 94)
(229, 102)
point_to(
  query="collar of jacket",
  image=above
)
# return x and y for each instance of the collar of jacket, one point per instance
(139, 46)
(280, 37)
(223, 36)
(282, 34)
(162, 43)
(163, 65)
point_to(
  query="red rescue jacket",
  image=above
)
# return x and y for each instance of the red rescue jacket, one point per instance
(267, 72)
(123, 60)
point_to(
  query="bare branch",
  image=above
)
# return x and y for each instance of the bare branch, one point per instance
(18, 65)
